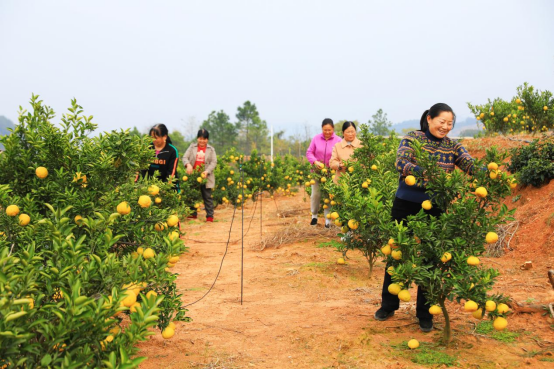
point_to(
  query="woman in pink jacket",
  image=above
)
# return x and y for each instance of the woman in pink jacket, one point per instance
(318, 155)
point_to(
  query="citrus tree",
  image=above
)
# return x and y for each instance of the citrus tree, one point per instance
(529, 111)
(85, 248)
(441, 254)
(362, 199)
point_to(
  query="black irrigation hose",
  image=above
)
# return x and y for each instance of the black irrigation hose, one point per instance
(222, 259)
(227, 249)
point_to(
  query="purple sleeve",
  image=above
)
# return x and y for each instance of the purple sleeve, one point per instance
(310, 153)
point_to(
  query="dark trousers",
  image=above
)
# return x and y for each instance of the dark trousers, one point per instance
(401, 209)
(208, 201)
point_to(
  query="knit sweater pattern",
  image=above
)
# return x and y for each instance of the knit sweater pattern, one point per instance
(449, 154)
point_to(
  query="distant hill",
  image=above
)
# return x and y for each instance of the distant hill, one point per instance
(467, 127)
(5, 123)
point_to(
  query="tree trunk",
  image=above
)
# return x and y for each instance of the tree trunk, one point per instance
(447, 332)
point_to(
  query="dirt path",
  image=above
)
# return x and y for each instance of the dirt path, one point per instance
(302, 310)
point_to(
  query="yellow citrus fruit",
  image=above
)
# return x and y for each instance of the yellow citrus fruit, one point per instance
(374, 167)
(150, 294)
(144, 201)
(350, 169)
(410, 180)
(492, 166)
(334, 215)
(131, 287)
(404, 295)
(58, 294)
(491, 237)
(394, 288)
(148, 253)
(470, 306)
(500, 323)
(503, 308)
(185, 178)
(115, 330)
(490, 306)
(365, 185)
(12, 210)
(481, 192)
(353, 224)
(435, 310)
(446, 257)
(171, 325)
(168, 333)
(493, 174)
(158, 200)
(41, 172)
(174, 235)
(199, 179)
(426, 205)
(344, 229)
(390, 270)
(140, 250)
(172, 220)
(545, 108)
(174, 259)
(312, 182)
(513, 184)
(24, 219)
(123, 208)
(129, 299)
(338, 223)
(341, 261)
(473, 260)
(78, 219)
(413, 343)
(153, 190)
(396, 254)
(478, 314)
(386, 250)
(159, 227)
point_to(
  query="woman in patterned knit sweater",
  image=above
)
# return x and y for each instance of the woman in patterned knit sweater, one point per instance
(435, 124)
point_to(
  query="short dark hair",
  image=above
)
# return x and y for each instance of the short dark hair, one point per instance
(347, 125)
(327, 121)
(433, 113)
(203, 132)
(160, 130)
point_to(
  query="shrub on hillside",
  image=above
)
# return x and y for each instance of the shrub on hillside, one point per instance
(534, 164)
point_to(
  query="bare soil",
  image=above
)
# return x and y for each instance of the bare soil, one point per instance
(300, 309)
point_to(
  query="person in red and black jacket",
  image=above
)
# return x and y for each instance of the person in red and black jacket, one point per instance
(166, 158)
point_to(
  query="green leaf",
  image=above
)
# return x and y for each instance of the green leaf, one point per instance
(46, 360)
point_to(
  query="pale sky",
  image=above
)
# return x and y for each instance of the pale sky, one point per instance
(136, 63)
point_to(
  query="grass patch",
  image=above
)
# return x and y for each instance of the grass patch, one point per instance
(331, 243)
(316, 265)
(426, 354)
(433, 357)
(486, 328)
